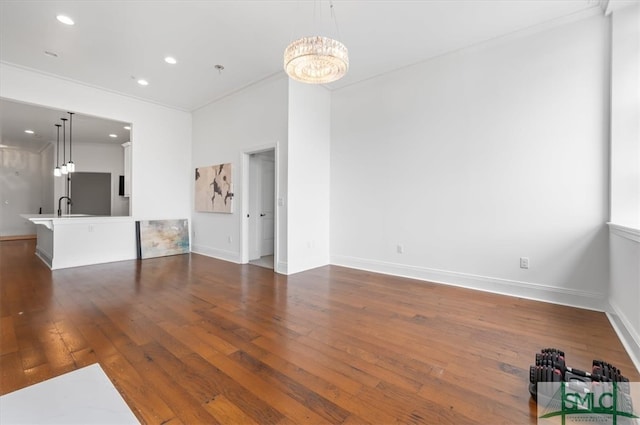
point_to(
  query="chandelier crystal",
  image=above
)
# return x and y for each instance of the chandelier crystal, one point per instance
(316, 60)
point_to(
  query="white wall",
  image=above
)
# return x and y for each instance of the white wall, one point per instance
(47, 163)
(251, 119)
(624, 291)
(161, 136)
(295, 116)
(20, 190)
(476, 158)
(99, 158)
(309, 173)
(625, 117)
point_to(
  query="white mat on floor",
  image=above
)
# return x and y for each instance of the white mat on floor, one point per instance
(84, 396)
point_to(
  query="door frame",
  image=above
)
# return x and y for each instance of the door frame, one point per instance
(246, 188)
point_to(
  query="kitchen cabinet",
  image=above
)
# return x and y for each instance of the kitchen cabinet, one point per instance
(127, 169)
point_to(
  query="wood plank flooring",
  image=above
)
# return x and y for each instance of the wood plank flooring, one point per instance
(193, 340)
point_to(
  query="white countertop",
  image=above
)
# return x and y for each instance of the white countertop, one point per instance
(71, 216)
(48, 220)
(50, 216)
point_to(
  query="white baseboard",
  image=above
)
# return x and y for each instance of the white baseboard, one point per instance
(234, 257)
(44, 256)
(282, 268)
(626, 333)
(220, 254)
(532, 291)
(527, 290)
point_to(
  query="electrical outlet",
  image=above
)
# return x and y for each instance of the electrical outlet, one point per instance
(524, 262)
(400, 249)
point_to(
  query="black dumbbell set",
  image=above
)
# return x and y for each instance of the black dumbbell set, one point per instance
(551, 367)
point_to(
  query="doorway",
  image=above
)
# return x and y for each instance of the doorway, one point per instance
(261, 212)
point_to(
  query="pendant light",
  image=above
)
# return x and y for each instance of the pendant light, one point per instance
(71, 167)
(64, 169)
(317, 59)
(56, 171)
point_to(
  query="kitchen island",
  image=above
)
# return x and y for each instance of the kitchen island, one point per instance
(79, 240)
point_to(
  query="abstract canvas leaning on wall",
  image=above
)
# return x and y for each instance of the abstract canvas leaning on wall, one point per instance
(158, 238)
(214, 189)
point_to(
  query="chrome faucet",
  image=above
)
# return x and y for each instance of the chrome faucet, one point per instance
(59, 204)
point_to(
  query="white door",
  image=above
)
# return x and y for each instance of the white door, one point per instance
(261, 211)
(255, 206)
(268, 204)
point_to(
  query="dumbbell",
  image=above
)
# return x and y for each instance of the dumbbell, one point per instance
(601, 371)
(555, 358)
(608, 370)
(551, 367)
(542, 374)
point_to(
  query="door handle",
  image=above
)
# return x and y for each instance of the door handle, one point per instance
(262, 215)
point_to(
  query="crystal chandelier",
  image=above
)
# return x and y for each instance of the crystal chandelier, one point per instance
(316, 60)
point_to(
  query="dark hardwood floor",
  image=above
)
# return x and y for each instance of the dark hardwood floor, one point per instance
(190, 339)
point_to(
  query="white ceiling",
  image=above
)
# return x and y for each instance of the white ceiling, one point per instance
(16, 117)
(113, 43)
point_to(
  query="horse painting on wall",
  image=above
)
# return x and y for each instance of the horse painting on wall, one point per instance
(214, 189)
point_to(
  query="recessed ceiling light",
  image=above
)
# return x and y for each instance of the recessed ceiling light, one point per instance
(113, 135)
(170, 60)
(126, 127)
(143, 82)
(29, 131)
(65, 20)
(50, 53)
(3, 146)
